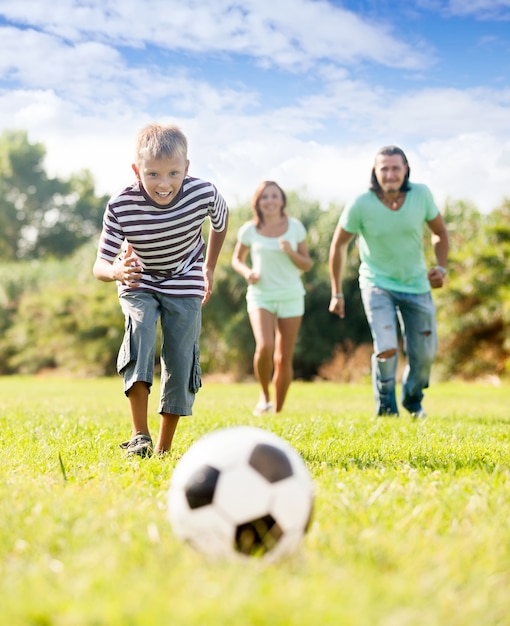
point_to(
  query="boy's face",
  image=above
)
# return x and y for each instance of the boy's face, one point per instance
(162, 178)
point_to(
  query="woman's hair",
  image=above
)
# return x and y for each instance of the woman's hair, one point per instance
(390, 151)
(157, 141)
(255, 201)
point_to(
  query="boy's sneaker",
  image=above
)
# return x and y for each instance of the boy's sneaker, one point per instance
(419, 415)
(140, 445)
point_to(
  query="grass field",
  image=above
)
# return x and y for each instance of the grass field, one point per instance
(411, 523)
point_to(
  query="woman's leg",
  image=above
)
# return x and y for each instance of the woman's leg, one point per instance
(286, 335)
(263, 327)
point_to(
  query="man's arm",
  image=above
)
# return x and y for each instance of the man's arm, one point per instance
(337, 261)
(440, 243)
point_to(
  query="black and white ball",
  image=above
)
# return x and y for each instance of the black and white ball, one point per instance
(241, 492)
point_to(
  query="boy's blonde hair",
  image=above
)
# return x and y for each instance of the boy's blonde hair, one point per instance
(157, 141)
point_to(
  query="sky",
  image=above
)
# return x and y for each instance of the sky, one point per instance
(303, 92)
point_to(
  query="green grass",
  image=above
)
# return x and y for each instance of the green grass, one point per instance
(411, 523)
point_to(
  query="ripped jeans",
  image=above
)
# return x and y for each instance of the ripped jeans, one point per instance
(416, 315)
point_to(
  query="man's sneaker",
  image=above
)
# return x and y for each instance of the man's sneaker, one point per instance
(419, 415)
(140, 445)
(386, 412)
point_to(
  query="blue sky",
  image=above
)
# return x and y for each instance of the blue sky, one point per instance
(300, 91)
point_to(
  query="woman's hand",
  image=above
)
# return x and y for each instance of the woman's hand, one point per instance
(252, 277)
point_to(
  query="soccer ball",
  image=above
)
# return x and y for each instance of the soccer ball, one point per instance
(241, 492)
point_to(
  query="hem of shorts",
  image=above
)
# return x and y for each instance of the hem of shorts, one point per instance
(138, 379)
(176, 410)
(176, 293)
(275, 294)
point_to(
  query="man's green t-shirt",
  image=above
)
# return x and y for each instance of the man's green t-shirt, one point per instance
(391, 242)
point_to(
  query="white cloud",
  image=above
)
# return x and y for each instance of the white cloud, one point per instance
(39, 60)
(481, 9)
(258, 28)
(67, 83)
(451, 111)
(95, 75)
(484, 9)
(472, 166)
(236, 150)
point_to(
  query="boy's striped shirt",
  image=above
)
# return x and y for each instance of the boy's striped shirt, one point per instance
(168, 240)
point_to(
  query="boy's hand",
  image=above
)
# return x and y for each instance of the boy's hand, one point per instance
(208, 283)
(129, 270)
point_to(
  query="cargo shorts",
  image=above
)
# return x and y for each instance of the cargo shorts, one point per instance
(180, 319)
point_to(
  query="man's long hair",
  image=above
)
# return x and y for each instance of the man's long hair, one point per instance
(390, 151)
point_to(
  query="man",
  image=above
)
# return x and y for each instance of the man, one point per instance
(394, 282)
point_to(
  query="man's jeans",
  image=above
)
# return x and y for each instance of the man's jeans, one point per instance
(416, 315)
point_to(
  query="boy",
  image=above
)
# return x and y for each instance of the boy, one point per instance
(156, 223)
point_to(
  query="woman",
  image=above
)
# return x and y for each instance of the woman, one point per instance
(275, 295)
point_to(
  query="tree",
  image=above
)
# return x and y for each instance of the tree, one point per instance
(75, 218)
(21, 179)
(474, 309)
(56, 315)
(41, 216)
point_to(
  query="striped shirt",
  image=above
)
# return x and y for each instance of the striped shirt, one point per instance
(167, 240)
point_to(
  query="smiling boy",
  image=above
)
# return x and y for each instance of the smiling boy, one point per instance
(152, 246)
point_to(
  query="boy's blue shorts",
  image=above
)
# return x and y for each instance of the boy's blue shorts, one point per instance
(181, 320)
